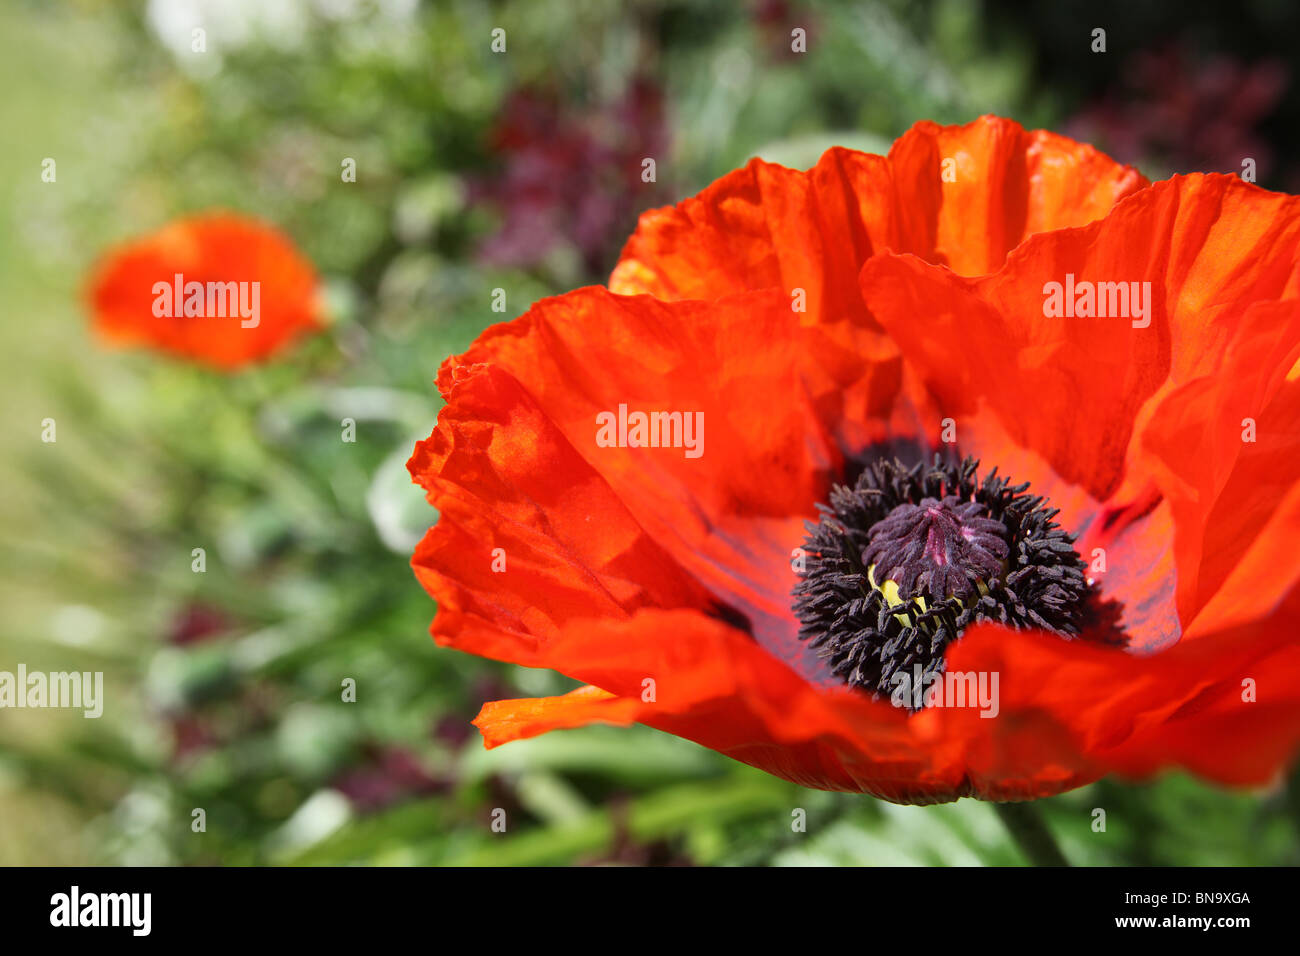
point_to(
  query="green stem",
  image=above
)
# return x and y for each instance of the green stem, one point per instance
(1026, 826)
(1292, 797)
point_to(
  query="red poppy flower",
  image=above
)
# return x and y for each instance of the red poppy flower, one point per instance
(1136, 606)
(223, 289)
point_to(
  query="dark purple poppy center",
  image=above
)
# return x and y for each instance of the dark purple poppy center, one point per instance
(902, 562)
(938, 548)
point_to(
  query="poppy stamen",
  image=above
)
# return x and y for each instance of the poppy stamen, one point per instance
(905, 560)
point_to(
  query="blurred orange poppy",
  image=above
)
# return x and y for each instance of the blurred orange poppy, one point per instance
(1134, 608)
(220, 288)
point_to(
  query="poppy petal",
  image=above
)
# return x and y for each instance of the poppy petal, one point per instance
(1063, 712)
(530, 537)
(1229, 444)
(959, 195)
(505, 720)
(730, 509)
(991, 183)
(713, 684)
(1138, 714)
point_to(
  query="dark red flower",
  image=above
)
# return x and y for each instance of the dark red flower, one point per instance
(1186, 112)
(570, 177)
(385, 776)
(196, 622)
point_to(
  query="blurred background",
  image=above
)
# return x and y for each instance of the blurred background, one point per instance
(475, 171)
